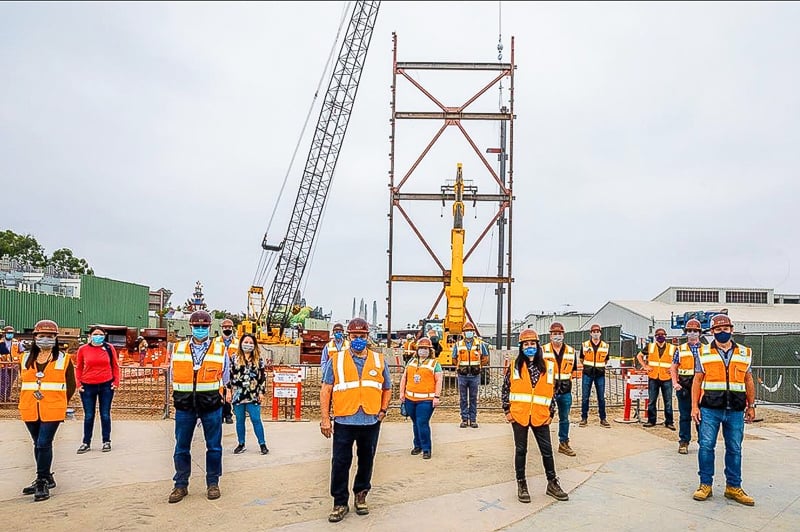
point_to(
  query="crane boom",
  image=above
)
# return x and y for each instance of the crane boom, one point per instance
(320, 164)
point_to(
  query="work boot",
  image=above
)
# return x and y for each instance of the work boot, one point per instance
(338, 513)
(555, 491)
(670, 426)
(84, 448)
(522, 491)
(604, 423)
(30, 490)
(361, 503)
(264, 449)
(738, 495)
(416, 450)
(213, 492)
(683, 448)
(473, 424)
(426, 455)
(178, 494)
(107, 447)
(583, 422)
(564, 448)
(649, 424)
(42, 493)
(702, 493)
(464, 424)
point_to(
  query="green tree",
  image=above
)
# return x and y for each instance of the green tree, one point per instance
(64, 260)
(23, 248)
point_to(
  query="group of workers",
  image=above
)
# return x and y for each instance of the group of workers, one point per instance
(356, 390)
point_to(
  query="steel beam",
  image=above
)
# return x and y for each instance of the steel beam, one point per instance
(445, 278)
(426, 65)
(450, 116)
(414, 196)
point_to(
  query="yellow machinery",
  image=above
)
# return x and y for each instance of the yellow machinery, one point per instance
(254, 322)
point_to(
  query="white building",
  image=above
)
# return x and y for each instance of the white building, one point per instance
(752, 310)
(572, 321)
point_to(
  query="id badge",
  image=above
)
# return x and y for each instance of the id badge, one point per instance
(38, 395)
(39, 374)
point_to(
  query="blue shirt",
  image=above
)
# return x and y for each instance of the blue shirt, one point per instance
(360, 417)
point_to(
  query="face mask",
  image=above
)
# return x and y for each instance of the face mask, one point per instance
(469, 334)
(661, 338)
(46, 343)
(722, 337)
(200, 332)
(558, 338)
(9, 336)
(248, 348)
(358, 344)
(227, 332)
(97, 339)
(338, 335)
(530, 352)
(595, 336)
(423, 351)
(693, 335)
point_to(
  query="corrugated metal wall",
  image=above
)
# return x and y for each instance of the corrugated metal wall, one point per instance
(102, 301)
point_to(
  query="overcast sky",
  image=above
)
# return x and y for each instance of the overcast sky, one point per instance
(656, 145)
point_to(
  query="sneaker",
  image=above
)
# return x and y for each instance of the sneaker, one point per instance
(464, 424)
(670, 426)
(30, 490)
(178, 494)
(564, 448)
(106, 446)
(605, 423)
(213, 492)
(649, 424)
(239, 449)
(738, 495)
(555, 491)
(473, 424)
(41, 492)
(683, 448)
(416, 450)
(264, 449)
(583, 422)
(702, 493)
(426, 455)
(84, 448)
(338, 513)
(522, 491)
(361, 503)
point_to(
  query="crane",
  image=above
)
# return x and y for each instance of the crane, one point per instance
(295, 248)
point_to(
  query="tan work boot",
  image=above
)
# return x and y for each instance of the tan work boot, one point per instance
(738, 495)
(683, 448)
(522, 491)
(178, 494)
(604, 423)
(213, 492)
(361, 503)
(338, 513)
(555, 491)
(583, 422)
(702, 493)
(564, 448)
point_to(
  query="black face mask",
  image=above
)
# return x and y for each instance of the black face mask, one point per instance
(227, 332)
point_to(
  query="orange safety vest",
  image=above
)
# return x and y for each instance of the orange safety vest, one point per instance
(724, 387)
(351, 392)
(53, 387)
(659, 367)
(14, 355)
(469, 357)
(206, 378)
(531, 405)
(596, 359)
(333, 349)
(231, 350)
(563, 373)
(420, 380)
(409, 347)
(686, 366)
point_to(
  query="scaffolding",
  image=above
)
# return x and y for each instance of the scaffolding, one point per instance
(456, 116)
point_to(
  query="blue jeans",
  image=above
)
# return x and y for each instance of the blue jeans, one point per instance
(366, 439)
(586, 390)
(420, 413)
(653, 388)
(468, 396)
(254, 411)
(564, 403)
(185, 422)
(733, 432)
(42, 433)
(684, 396)
(89, 396)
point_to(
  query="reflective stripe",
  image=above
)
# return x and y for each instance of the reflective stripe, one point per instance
(742, 359)
(529, 398)
(685, 372)
(563, 377)
(416, 395)
(720, 386)
(60, 363)
(660, 364)
(593, 364)
(201, 387)
(355, 384)
(709, 358)
(46, 386)
(213, 358)
(181, 357)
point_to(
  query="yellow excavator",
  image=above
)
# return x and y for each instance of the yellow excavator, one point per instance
(255, 323)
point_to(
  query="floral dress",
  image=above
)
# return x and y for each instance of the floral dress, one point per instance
(248, 382)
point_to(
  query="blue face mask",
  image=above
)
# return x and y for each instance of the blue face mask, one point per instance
(469, 334)
(530, 352)
(200, 332)
(97, 339)
(9, 336)
(358, 344)
(722, 337)
(338, 335)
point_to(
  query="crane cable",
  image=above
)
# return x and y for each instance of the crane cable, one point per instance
(265, 265)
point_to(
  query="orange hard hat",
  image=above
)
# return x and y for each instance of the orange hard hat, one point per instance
(528, 335)
(662, 329)
(338, 327)
(358, 325)
(200, 317)
(8, 329)
(469, 326)
(45, 326)
(595, 327)
(226, 321)
(424, 342)
(556, 327)
(721, 320)
(693, 324)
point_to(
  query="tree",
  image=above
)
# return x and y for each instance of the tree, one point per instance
(64, 260)
(23, 248)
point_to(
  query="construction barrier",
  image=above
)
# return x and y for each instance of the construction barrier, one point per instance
(636, 389)
(287, 387)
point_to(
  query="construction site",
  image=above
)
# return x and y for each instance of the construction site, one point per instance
(454, 262)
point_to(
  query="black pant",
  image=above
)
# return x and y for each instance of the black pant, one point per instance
(542, 435)
(42, 433)
(227, 409)
(366, 439)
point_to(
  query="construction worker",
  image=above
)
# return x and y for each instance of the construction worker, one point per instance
(659, 359)
(48, 383)
(10, 348)
(565, 363)
(433, 336)
(723, 395)
(468, 355)
(409, 348)
(527, 400)
(230, 346)
(10, 351)
(357, 384)
(594, 353)
(337, 343)
(421, 389)
(682, 373)
(200, 372)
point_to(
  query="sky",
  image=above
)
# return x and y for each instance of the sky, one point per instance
(656, 144)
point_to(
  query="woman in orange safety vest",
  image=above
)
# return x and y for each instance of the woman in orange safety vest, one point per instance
(420, 389)
(527, 399)
(47, 383)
